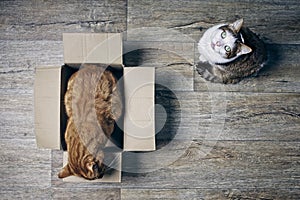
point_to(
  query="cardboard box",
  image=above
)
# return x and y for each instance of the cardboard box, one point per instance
(138, 83)
(139, 119)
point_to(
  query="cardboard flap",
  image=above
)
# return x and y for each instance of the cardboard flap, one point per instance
(139, 121)
(103, 48)
(47, 107)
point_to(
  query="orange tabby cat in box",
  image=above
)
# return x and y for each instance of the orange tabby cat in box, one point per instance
(93, 104)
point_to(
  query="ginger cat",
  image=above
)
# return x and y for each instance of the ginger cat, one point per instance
(93, 103)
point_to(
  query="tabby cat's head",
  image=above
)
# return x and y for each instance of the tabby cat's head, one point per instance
(223, 43)
(88, 167)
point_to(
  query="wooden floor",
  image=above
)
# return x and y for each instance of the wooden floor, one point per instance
(231, 141)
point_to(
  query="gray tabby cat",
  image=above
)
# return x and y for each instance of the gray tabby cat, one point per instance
(232, 51)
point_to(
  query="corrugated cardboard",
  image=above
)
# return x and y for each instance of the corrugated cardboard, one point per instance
(103, 48)
(47, 106)
(139, 126)
(50, 85)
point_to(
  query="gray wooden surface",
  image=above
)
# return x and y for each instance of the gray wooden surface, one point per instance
(230, 141)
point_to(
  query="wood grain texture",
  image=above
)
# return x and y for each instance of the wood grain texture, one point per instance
(256, 116)
(173, 62)
(19, 59)
(229, 116)
(208, 194)
(19, 56)
(229, 164)
(23, 166)
(86, 193)
(26, 193)
(228, 141)
(17, 71)
(278, 22)
(17, 120)
(47, 20)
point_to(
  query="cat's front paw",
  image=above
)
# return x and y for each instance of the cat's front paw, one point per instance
(202, 58)
(208, 72)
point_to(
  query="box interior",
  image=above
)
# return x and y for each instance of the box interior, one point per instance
(66, 72)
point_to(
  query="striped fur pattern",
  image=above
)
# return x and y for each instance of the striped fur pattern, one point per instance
(246, 56)
(93, 103)
(222, 44)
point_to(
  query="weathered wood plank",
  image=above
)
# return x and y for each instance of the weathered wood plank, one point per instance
(86, 193)
(21, 56)
(229, 164)
(17, 118)
(22, 165)
(158, 53)
(229, 116)
(39, 20)
(60, 193)
(281, 74)
(17, 66)
(25, 193)
(278, 21)
(256, 116)
(173, 62)
(210, 194)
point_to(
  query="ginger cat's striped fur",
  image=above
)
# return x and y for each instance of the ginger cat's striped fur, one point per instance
(93, 103)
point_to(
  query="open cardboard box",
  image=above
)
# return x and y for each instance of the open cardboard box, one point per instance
(138, 93)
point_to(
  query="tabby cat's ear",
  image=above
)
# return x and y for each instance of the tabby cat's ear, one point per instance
(237, 25)
(244, 49)
(65, 172)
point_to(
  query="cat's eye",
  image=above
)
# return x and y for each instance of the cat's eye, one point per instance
(223, 34)
(227, 48)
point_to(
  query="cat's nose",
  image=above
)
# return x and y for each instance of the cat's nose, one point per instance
(218, 43)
